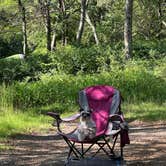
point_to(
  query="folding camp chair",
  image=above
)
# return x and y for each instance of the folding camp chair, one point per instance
(105, 101)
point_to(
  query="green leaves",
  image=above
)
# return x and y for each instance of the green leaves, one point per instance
(9, 4)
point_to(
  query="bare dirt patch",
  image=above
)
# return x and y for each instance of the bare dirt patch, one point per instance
(148, 147)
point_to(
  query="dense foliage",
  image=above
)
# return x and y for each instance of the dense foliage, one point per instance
(106, 16)
(138, 82)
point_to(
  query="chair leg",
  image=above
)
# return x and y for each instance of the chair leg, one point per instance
(88, 149)
(114, 142)
(121, 152)
(81, 153)
(69, 153)
(82, 150)
(72, 148)
(110, 148)
(100, 147)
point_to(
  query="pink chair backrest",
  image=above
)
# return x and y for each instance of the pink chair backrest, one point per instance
(99, 100)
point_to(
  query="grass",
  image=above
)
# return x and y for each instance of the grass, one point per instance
(14, 122)
(22, 104)
(135, 84)
(4, 146)
(145, 111)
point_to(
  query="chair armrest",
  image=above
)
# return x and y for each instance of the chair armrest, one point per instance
(57, 118)
(71, 118)
(116, 117)
(67, 119)
(54, 115)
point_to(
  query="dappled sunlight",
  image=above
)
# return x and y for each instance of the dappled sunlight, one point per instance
(147, 147)
(52, 49)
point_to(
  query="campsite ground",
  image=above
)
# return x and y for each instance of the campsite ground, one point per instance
(148, 147)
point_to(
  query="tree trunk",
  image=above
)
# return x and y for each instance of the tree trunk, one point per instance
(128, 28)
(24, 27)
(64, 34)
(93, 28)
(53, 42)
(48, 26)
(82, 21)
(45, 11)
(160, 15)
(64, 24)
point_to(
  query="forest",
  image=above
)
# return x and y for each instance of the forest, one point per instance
(51, 49)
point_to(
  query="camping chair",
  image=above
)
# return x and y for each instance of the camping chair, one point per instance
(105, 102)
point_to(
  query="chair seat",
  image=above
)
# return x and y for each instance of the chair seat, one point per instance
(72, 136)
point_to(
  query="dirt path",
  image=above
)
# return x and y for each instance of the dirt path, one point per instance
(148, 147)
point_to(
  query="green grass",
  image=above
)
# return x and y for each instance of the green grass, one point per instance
(22, 104)
(4, 146)
(135, 83)
(14, 122)
(145, 111)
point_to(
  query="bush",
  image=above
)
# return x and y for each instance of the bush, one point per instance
(149, 49)
(135, 83)
(72, 60)
(16, 69)
(77, 60)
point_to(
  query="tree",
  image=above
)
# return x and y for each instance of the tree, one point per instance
(24, 26)
(64, 25)
(160, 4)
(93, 28)
(128, 28)
(45, 10)
(82, 21)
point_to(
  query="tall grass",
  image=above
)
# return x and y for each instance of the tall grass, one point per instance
(18, 122)
(145, 111)
(12, 120)
(6, 97)
(144, 93)
(136, 85)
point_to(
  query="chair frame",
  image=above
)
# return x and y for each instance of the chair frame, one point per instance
(100, 141)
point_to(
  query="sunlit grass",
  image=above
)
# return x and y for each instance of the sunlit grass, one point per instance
(5, 147)
(145, 111)
(23, 105)
(14, 122)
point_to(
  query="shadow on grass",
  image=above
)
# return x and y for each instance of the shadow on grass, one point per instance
(36, 137)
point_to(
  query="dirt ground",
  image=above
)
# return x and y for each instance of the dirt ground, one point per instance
(148, 147)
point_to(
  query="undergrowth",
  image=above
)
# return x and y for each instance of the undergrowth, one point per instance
(22, 104)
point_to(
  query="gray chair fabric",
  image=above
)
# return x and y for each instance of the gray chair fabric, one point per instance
(115, 103)
(83, 102)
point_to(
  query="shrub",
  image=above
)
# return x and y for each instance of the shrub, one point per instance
(135, 83)
(149, 49)
(72, 60)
